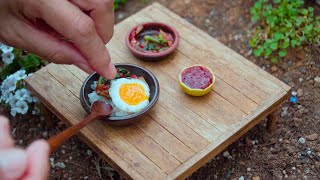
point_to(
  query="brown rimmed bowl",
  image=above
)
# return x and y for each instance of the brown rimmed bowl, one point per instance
(132, 118)
(151, 56)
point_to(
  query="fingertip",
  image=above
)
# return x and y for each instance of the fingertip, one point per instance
(6, 140)
(4, 120)
(39, 145)
(38, 160)
(109, 73)
(13, 163)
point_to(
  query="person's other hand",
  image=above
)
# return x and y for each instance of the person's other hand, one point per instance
(29, 164)
(61, 31)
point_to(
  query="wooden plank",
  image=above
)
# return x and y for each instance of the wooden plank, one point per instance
(189, 118)
(169, 75)
(169, 142)
(148, 147)
(62, 112)
(181, 61)
(81, 75)
(181, 131)
(228, 137)
(123, 148)
(192, 119)
(223, 73)
(172, 140)
(66, 78)
(198, 105)
(195, 142)
(172, 124)
(135, 136)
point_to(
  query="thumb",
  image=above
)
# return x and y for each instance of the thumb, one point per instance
(13, 163)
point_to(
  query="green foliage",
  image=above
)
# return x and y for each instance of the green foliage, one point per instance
(22, 60)
(117, 3)
(284, 24)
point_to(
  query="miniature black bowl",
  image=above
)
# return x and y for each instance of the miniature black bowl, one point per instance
(132, 118)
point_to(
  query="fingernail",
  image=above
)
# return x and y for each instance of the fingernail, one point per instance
(13, 163)
(111, 71)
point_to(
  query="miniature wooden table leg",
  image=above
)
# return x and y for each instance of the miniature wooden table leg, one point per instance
(272, 121)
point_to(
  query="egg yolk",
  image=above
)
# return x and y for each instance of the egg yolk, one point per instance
(132, 94)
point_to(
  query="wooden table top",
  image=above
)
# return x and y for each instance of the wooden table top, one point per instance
(181, 133)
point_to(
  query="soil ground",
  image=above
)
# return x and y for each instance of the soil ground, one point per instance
(258, 154)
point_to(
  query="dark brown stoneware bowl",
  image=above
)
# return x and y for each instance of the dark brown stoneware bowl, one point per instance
(129, 119)
(150, 56)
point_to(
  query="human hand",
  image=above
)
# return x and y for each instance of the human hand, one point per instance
(42, 27)
(29, 164)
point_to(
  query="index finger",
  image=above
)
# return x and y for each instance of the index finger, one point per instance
(6, 140)
(75, 25)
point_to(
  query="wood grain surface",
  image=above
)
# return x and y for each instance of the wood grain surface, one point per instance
(182, 132)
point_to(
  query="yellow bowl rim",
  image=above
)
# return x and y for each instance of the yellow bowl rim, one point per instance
(192, 89)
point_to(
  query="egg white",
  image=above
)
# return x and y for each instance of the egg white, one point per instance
(119, 103)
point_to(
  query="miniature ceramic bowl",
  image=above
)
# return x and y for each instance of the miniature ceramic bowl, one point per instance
(196, 92)
(132, 118)
(152, 56)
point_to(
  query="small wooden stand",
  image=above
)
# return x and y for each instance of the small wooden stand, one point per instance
(181, 133)
(272, 121)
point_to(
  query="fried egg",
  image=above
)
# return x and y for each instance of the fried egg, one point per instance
(129, 95)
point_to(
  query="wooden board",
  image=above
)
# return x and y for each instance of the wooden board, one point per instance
(181, 133)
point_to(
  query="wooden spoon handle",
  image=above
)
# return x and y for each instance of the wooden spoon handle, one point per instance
(60, 138)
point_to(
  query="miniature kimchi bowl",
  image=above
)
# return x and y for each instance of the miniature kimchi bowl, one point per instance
(196, 91)
(146, 29)
(149, 78)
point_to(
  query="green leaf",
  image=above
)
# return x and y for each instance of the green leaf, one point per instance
(298, 21)
(282, 53)
(268, 52)
(267, 43)
(277, 36)
(255, 18)
(253, 42)
(308, 28)
(310, 9)
(30, 63)
(285, 45)
(258, 5)
(9, 69)
(277, 1)
(293, 42)
(274, 60)
(274, 46)
(304, 11)
(258, 52)
(288, 24)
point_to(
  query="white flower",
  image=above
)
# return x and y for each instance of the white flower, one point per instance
(11, 83)
(27, 95)
(13, 112)
(5, 96)
(7, 58)
(19, 95)
(6, 49)
(21, 74)
(94, 85)
(1, 45)
(13, 101)
(30, 74)
(35, 99)
(21, 107)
